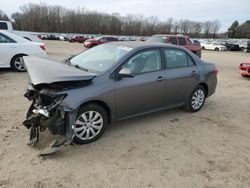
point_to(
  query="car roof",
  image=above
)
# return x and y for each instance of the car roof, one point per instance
(141, 44)
(169, 35)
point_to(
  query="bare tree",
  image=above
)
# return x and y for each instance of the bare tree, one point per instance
(215, 27)
(3, 16)
(50, 18)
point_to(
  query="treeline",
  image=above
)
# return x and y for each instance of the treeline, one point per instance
(46, 18)
(239, 31)
(3, 16)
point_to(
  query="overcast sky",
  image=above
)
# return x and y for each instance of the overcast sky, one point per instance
(226, 11)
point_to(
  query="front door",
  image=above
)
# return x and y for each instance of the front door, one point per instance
(145, 91)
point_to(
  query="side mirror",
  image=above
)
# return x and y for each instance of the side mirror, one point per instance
(125, 72)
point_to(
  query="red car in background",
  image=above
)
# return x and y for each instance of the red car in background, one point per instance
(245, 69)
(77, 38)
(99, 40)
(179, 40)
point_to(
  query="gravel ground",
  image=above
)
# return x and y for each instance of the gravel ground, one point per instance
(171, 148)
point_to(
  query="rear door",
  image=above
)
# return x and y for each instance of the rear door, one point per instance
(145, 91)
(182, 75)
(8, 48)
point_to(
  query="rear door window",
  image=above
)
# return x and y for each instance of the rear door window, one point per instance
(173, 40)
(182, 41)
(176, 58)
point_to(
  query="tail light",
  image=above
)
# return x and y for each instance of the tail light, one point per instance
(216, 71)
(42, 47)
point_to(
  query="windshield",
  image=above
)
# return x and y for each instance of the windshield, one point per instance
(98, 38)
(157, 39)
(100, 58)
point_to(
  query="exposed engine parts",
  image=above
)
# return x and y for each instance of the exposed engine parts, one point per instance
(42, 114)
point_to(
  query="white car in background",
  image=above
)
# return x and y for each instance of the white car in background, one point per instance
(213, 46)
(14, 47)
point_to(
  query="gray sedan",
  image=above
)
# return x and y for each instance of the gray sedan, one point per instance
(79, 98)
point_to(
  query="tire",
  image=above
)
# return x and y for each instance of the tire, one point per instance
(17, 63)
(217, 49)
(94, 126)
(203, 48)
(245, 50)
(196, 99)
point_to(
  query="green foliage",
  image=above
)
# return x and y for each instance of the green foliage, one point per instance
(239, 31)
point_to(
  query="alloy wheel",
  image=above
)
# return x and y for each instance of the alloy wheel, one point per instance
(198, 99)
(19, 64)
(88, 125)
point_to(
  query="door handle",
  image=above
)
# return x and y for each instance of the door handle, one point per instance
(159, 78)
(194, 72)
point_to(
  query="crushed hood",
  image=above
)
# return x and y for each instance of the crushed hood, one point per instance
(44, 71)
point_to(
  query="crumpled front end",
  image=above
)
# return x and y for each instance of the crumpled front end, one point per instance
(46, 111)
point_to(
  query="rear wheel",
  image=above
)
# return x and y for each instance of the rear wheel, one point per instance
(90, 124)
(197, 99)
(203, 48)
(217, 49)
(17, 63)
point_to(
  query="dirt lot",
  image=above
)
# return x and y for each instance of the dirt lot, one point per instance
(173, 148)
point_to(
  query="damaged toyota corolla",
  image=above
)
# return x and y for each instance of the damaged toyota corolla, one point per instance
(78, 98)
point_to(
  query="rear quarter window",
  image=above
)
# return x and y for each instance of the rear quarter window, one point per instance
(5, 39)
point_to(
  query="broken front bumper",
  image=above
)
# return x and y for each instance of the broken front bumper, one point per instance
(45, 112)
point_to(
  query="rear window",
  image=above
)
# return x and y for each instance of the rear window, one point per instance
(3, 26)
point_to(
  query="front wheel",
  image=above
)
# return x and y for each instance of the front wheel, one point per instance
(90, 124)
(196, 100)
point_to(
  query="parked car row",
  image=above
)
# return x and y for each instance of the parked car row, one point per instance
(226, 46)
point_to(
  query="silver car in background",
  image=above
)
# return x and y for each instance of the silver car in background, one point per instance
(110, 82)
